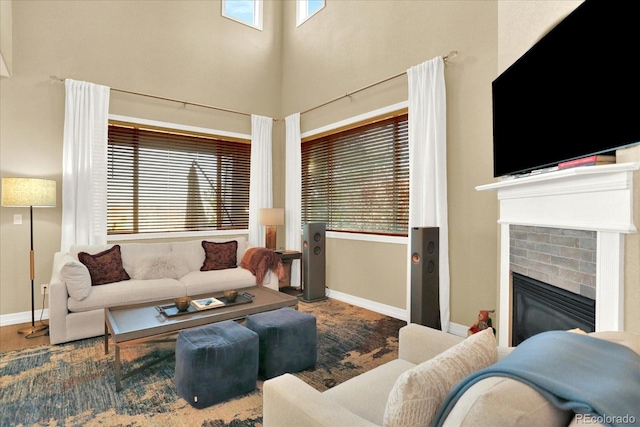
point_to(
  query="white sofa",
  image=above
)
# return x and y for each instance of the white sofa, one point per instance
(82, 315)
(362, 400)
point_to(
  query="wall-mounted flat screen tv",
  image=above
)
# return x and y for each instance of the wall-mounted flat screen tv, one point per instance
(575, 93)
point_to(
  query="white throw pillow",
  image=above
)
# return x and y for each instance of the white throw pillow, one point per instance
(501, 401)
(76, 276)
(161, 267)
(419, 392)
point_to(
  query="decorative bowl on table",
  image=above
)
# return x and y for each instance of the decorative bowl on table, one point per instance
(182, 303)
(231, 295)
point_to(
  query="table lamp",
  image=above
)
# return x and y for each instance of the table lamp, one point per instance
(31, 192)
(271, 218)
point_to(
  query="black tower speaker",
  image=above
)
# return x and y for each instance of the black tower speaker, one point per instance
(314, 261)
(425, 273)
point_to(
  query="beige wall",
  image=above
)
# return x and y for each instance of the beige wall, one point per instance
(521, 23)
(180, 49)
(186, 50)
(5, 35)
(632, 250)
(348, 46)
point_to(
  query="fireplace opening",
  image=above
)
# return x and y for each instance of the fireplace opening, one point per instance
(540, 307)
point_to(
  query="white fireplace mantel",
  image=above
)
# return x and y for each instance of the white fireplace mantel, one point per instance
(597, 198)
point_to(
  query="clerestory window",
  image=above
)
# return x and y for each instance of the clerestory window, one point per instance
(357, 180)
(160, 182)
(248, 12)
(305, 9)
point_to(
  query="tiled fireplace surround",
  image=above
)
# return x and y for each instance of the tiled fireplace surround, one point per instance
(582, 213)
(561, 257)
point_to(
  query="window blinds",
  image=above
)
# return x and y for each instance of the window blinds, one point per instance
(166, 182)
(358, 180)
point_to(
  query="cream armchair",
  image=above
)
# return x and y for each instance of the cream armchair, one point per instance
(362, 400)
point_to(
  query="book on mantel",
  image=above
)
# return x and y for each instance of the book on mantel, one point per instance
(599, 159)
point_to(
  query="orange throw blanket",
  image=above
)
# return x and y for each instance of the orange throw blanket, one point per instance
(259, 260)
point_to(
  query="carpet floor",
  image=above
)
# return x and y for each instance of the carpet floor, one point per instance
(74, 384)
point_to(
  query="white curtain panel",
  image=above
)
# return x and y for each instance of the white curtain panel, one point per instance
(260, 185)
(293, 195)
(428, 166)
(84, 164)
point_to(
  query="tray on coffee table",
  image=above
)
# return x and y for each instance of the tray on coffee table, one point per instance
(170, 310)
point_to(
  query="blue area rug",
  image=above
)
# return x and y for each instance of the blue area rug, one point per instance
(74, 384)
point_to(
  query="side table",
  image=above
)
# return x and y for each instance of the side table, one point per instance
(287, 258)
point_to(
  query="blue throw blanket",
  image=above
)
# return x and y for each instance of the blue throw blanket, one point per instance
(578, 372)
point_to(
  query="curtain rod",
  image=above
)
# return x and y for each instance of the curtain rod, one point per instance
(164, 98)
(445, 58)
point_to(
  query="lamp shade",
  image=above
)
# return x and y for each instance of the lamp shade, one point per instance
(25, 192)
(272, 216)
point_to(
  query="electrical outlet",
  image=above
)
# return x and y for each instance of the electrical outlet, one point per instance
(44, 288)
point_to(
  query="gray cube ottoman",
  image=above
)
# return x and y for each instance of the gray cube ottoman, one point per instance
(216, 362)
(287, 341)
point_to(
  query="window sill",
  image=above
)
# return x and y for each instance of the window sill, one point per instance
(402, 240)
(176, 235)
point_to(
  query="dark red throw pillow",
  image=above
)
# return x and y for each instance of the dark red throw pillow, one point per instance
(219, 256)
(104, 267)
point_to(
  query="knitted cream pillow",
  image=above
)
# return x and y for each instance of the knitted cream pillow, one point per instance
(161, 267)
(419, 392)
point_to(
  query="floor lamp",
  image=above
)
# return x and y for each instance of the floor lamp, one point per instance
(271, 218)
(29, 192)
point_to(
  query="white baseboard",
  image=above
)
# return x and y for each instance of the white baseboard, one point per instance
(458, 329)
(388, 310)
(23, 317)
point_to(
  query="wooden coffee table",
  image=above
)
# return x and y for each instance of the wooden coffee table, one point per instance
(134, 324)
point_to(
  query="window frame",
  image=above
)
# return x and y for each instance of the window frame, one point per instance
(351, 123)
(258, 14)
(302, 11)
(187, 129)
